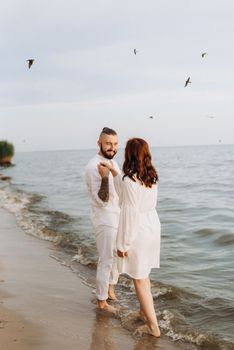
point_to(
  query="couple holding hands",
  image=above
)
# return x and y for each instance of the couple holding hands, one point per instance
(125, 221)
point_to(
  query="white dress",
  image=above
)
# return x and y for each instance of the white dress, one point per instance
(139, 227)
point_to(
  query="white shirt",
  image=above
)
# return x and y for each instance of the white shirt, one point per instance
(103, 213)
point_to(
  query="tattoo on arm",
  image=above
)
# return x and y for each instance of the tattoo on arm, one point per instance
(103, 193)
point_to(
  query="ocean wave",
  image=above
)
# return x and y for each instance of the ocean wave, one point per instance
(171, 292)
(225, 239)
(49, 225)
(16, 201)
(204, 232)
(168, 322)
(219, 237)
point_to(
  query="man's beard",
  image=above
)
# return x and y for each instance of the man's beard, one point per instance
(106, 154)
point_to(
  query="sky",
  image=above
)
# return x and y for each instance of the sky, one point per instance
(86, 76)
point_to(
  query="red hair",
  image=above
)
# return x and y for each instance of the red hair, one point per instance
(138, 164)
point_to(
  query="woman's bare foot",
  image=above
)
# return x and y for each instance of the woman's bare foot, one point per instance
(154, 330)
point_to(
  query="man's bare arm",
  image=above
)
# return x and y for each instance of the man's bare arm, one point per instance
(103, 193)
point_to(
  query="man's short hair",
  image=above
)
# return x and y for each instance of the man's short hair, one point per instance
(108, 131)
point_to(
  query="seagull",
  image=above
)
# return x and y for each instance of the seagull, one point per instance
(151, 117)
(188, 81)
(135, 51)
(203, 54)
(211, 116)
(30, 62)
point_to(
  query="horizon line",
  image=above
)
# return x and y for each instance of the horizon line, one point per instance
(122, 147)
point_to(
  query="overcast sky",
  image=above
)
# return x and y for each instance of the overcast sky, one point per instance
(86, 76)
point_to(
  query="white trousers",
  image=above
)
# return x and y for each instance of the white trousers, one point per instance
(107, 272)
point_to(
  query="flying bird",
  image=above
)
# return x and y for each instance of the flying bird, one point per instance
(211, 116)
(151, 117)
(30, 62)
(203, 54)
(135, 51)
(188, 81)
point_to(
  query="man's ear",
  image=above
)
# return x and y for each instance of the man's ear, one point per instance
(99, 143)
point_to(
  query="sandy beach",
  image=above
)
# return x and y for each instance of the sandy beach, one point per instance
(43, 305)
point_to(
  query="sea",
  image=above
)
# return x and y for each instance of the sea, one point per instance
(193, 290)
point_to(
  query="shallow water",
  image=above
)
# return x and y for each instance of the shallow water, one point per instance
(194, 288)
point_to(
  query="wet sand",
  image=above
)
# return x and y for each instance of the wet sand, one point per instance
(43, 305)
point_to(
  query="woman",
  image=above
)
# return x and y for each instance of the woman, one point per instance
(138, 238)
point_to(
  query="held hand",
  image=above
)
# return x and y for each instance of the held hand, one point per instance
(110, 166)
(121, 254)
(103, 170)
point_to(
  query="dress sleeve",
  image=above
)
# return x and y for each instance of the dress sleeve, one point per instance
(118, 183)
(129, 216)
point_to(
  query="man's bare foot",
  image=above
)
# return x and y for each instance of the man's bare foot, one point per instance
(112, 297)
(104, 306)
(111, 293)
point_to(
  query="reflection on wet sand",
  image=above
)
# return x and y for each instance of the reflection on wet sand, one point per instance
(106, 336)
(103, 333)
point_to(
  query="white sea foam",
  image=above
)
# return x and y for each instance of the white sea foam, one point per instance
(17, 202)
(14, 202)
(165, 323)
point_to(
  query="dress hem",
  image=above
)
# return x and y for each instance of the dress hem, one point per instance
(138, 277)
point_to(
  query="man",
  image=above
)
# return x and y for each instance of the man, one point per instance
(105, 216)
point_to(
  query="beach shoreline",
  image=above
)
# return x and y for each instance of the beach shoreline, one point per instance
(43, 305)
